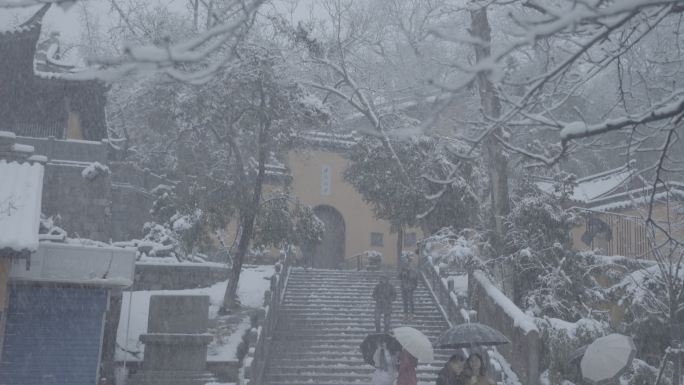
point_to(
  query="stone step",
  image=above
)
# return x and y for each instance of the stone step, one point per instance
(343, 298)
(338, 382)
(338, 333)
(321, 377)
(335, 298)
(150, 377)
(345, 282)
(341, 341)
(341, 369)
(342, 355)
(368, 308)
(349, 350)
(362, 316)
(325, 316)
(292, 362)
(368, 326)
(300, 321)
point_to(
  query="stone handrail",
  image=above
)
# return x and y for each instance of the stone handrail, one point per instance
(453, 311)
(489, 306)
(260, 336)
(498, 311)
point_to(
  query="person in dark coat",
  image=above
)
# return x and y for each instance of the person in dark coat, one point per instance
(407, 369)
(408, 278)
(475, 366)
(383, 294)
(453, 372)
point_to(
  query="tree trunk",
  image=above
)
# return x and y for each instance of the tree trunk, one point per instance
(109, 338)
(248, 214)
(400, 245)
(497, 160)
(210, 14)
(675, 342)
(195, 15)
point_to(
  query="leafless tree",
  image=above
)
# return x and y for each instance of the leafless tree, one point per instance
(193, 60)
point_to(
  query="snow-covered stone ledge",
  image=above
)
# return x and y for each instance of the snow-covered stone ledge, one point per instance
(447, 299)
(260, 336)
(177, 275)
(77, 264)
(498, 311)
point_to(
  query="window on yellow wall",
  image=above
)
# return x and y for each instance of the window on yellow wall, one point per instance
(376, 239)
(409, 239)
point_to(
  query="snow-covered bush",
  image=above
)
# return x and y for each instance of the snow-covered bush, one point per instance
(284, 220)
(551, 278)
(94, 170)
(642, 293)
(560, 283)
(560, 339)
(640, 373)
(373, 259)
(454, 251)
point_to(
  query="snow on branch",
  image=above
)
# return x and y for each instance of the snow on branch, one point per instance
(195, 60)
(30, 3)
(577, 130)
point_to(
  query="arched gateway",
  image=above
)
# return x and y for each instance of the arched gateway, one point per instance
(329, 253)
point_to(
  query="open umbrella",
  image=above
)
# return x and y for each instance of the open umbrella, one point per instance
(471, 334)
(371, 342)
(415, 342)
(607, 358)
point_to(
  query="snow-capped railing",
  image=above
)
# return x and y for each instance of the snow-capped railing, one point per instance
(498, 311)
(453, 311)
(255, 362)
(524, 335)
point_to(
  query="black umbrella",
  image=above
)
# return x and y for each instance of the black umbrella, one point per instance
(469, 335)
(371, 342)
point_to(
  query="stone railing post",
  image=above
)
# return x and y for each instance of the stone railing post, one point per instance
(176, 342)
(257, 357)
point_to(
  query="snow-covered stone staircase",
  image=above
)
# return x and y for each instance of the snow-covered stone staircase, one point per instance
(325, 316)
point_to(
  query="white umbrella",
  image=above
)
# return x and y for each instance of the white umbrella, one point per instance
(607, 358)
(415, 343)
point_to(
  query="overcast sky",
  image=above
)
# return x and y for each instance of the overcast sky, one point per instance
(68, 23)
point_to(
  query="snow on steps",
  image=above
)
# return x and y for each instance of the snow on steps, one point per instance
(325, 316)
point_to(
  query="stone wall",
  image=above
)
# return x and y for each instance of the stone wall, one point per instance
(177, 276)
(83, 205)
(72, 150)
(113, 207)
(496, 310)
(127, 173)
(130, 210)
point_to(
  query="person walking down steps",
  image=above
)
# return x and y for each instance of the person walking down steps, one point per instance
(385, 366)
(383, 294)
(408, 279)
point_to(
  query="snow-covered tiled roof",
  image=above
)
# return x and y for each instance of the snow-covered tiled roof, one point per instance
(638, 197)
(597, 186)
(13, 32)
(20, 204)
(328, 139)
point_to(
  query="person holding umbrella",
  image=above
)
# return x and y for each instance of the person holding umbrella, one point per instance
(415, 346)
(385, 366)
(476, 368)
(453, 372)
(380, 351)
(407, 369)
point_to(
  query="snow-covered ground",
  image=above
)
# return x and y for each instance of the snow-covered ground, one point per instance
(136, 304)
